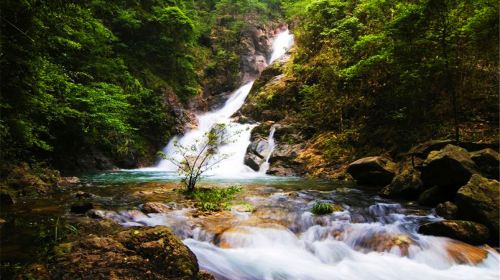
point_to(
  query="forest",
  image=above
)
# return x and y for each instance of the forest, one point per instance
(208, 139)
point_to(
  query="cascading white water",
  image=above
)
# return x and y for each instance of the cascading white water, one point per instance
(271, 144)
(234, 165)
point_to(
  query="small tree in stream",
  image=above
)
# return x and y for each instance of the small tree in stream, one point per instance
(195, 160)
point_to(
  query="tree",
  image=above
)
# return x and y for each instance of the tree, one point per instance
(193, 161)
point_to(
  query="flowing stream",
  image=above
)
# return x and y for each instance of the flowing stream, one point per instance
(271, 233)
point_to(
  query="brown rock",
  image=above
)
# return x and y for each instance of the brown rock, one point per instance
(155, 207)
(375, 170)
(463, 253)
(470, 232)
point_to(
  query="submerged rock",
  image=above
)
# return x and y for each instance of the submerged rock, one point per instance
(448, 168)
(487, 161)
(470, 232)
(137, 253)
(406, 184)
(479, 201)
(375, 170)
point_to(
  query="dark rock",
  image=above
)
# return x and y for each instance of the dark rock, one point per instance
(6, 198)
(137, 253)
(155, 207)
(253, 161)
(406, 184)
(422, 150)
(450, 168)
(487, 162)
(447, 210)
(479, 201)
(375, 170)
(470, 232)
(81, 208)
(434, 195)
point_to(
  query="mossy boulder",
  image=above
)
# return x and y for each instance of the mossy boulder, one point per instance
(136, 253)
(466, 231)
(479, 201)
(376, 170)
(407, 184)
(450, 168)
(487, 162)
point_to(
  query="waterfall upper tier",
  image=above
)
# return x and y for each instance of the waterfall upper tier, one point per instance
(233, 165)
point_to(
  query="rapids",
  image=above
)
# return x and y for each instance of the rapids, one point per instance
(371, 238)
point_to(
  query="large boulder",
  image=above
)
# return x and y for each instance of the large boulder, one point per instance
(137, 253)
(375, 170)
(253, 161)
(450, 168)
(284, 161)
(479, 201)
(466, 231)
(406, 184)
(155, 207)
(487, 161)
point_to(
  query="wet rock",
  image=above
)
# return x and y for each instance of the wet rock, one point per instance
(450, 168)
(82, 195)
(466, 231)
(487, 162)
(406, 184)
(479, 201)
(137, 253)
(6, 198)
(284, 161)
(463, 253)
(447, 210)
(384, 242)
(155, 207)
(81, 207)
(433, 196)
(375, 170)
(68, 181)
(253, 161)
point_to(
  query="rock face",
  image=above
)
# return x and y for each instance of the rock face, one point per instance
(479, 201)
(155, 207)
(470, 232)
(376, 170)
(447, 210)
(487, 162)
(284, 162)
(434, 195)
(137, 253)
(257, 45)
(448, 168)
(406, 184)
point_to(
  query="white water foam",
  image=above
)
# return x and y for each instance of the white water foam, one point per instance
(234, 165)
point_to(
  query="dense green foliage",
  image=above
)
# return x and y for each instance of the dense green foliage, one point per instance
(106, 78)
(213, 199)
(384, 74)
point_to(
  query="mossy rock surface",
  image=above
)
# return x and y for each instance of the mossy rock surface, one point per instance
(470, 232)
(479, 201)
(136, 253)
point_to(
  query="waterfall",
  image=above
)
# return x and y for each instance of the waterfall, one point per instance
(270, 141)
(234, 165)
